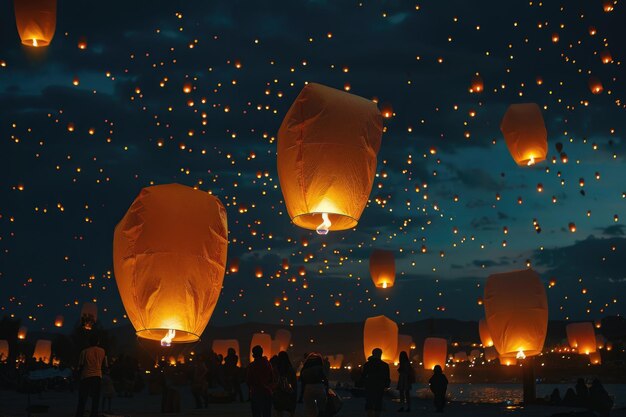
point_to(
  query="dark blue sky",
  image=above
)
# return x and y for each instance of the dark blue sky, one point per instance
(62, 191)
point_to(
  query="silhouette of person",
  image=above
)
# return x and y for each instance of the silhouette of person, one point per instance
(90, 364)
(315, 385)
(582, 393)
(599, 399)
(438, 385)
(231, 374)
(259, 378)
(376, 380)
(406, 377)
(285, 393)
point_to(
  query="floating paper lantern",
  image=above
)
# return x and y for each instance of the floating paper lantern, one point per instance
(36, 21)
(221, 346)
(380, 332)
(595, 358)
(282, 337)
(285, 264)
(234, 266)
(382, 268)
(335, 361)
(4, 350)
(43, 351)
(21, 332)
(582, 337)
(474, 354)
(516, 312)
(491, 353)
(265, 341)
(89, 315)
(460, 357)
(485, 336)
(525, 133)
(600, 341)
(595, 85)
(606, 57)
(327, 147)
(258, 272)
(169, 255)
(58, 321)
(435, 352)
(477, 85)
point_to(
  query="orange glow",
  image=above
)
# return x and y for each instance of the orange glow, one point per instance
(221, 346)
(525, 133)
(582, 337)
(435, 352)
(36, 21)
(265, 341)
(485, 336)
(477, 85)
(4, 350)
(382, 268)
(21, 333)
(380, 332)
(58, 321)
(595, 85)
(43, 351)
(89, 315)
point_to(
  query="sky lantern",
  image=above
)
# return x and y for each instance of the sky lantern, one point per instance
(460, 357)
(327, 148)
(606, 56)
(525, 133)
(474, 354)
(485, 336)
(335, 361)
(4, 350)
(21, 332)
(43, 351)
(285, 264)
(382, 268)
(258, 271)
(169, 254)
(477, 85)
(405, 342)
(595, 85)
(221, 346)
(380, 332)
(282, 338)
(58, 321)
(234, 266)
(582, 337)
(89, 315)
(516, 311)
(435, 352)
(491, 354)
(595, 358)
(265, 341)
(608, 6)
(36, 21)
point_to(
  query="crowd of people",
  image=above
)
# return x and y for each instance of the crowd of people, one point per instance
(593, 397)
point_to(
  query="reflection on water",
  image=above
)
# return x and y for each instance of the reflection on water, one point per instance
(512, 393)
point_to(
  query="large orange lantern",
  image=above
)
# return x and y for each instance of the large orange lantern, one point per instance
(327, 147)
(4, 350)
(435, 352)
(21, 332)
(58, 321)
(380, 332)
(265, 341)
(516, 311)
(382, 268)
(221, 346)
(485, 336)
(36, 21)
(582, 337)
(169, 254)
(282, 338)
(525, 133)
(43, 351)
(89, 315)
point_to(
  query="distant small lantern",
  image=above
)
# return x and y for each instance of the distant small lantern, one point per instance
(36, 21)
(21, 332)
(582, 337)
(595, 358)
(595, 85)
(234, 266)
(606, 57)
(477, 85)
(435, 352)
(169, 254)
(525, 133)
(265, 341)
(382, 268)
(380, 332)
(58, 321)
(327, 148)
(485, 336)
(516, 312)
(43, 351)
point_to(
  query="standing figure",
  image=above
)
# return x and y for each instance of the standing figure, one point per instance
(90, 364)
(231, 374)
(199, 384)
(315, 385)
(108, 391)
(259, 378)
(406, 378)
(438, 385)
(285, 393)
(376, 380)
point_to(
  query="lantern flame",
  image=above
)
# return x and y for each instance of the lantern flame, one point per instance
(385, 284)
(167, 340)
(520, 354)
(323, 228)
(35, 44)
(531, 161)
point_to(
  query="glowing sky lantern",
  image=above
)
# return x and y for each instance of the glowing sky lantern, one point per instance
(335, 361)
(595, 358)
(507, 360)
(485, 336)
(327, 148)
(21, 332)
(43, 351)
(265, 341)
(460, 357)
(477, 85)
(282, 338)
(382, 268)
(525, 133)
(435, 352)
(36, 21)
(380, 332)
(58, 321)
(516, 311)
(474, 354)
(4, 350)
(582, 337)
(89, 315)
(221, 346)
(169, 254)
(234, 266)
(595, 85)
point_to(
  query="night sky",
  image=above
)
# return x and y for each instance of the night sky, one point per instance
(83, 130)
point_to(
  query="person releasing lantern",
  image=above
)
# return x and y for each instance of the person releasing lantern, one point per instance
(582, 337)
(382, 268)
(435, 352)
(327, 148)
(525, 133)
(380, 332)
(169, 254)
(516, 312)
(36, 21)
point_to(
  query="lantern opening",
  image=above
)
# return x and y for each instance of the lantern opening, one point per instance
(531, 161)
(520, 355)
(167, 339)
(336, 221)
(323, 228)
(384, 284)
